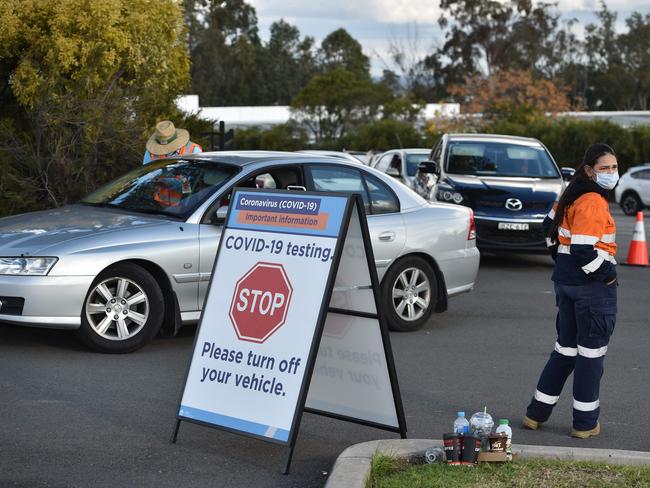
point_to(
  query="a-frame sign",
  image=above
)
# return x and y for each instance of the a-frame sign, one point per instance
(292, 322)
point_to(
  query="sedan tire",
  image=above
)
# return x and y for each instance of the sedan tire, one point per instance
(409, 292)
(123, 310)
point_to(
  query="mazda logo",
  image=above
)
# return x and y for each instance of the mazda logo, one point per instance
(514, 204)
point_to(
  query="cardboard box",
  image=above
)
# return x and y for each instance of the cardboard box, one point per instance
(494, 457)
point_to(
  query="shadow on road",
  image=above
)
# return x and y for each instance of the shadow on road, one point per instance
(16, 335)
(514, 261)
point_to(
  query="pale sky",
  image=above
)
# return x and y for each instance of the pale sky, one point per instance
(374, 23)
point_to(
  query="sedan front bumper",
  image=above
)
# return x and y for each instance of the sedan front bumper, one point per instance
(49, 301)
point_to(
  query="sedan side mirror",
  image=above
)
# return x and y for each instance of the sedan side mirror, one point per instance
(429, 167)
(219, 217)
(567, 173)
(393, 172)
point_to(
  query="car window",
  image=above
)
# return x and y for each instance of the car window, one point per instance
(338, 179)
(167, 186)
(412, 161)
(277, 178)
(499, 159)
(382, 198)
(642, 175)
(384, 162)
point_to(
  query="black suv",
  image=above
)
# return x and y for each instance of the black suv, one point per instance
(510, 182)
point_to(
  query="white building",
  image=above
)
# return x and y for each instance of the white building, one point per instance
(265, 116)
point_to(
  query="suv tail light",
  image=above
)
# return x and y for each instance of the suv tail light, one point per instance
(472, 228)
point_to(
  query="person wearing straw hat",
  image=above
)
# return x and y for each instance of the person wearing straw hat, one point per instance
(168, 141)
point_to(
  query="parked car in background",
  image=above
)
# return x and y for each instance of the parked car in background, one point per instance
(510, 182)
(401, 164)
(335, 154)
(364, 157)
(633, 190)
(136, 255)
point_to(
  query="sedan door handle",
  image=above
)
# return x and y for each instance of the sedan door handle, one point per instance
(387, 236)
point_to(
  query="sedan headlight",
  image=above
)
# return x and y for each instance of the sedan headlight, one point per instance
(26, 266)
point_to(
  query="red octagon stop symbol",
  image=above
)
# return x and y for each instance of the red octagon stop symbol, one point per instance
(260, 302)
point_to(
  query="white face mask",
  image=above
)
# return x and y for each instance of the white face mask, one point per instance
(607, 180)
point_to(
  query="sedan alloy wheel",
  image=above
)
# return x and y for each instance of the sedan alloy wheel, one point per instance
(117, 308)
(123, 310)
(409, 293)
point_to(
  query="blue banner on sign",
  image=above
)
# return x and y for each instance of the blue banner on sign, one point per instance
(288, 213)
(265, 203)
(234, 423)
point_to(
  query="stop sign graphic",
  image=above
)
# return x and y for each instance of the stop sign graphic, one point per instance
(260, 302)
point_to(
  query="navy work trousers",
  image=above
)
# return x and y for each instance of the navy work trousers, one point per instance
(585, 321)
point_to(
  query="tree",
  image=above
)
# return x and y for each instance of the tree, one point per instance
(635, 43)
(618, 65)
(512, 95)
(334, 102)
(339, 50)
(484, 36)
(82, 83)
(289, 63)
(226, 53)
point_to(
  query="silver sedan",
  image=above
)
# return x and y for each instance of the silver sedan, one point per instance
(136, 255)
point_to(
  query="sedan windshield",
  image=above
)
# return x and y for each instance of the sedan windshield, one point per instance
(499, 159)
(168, 186)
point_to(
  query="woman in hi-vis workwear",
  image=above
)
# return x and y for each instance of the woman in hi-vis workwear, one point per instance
(581, 234)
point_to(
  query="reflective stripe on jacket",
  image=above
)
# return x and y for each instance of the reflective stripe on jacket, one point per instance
(586, 246)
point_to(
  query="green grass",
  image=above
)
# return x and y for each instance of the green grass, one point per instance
(389, 472)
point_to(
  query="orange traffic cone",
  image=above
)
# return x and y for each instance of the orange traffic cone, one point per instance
(638, 253)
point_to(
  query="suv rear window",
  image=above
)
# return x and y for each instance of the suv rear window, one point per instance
(499, 159)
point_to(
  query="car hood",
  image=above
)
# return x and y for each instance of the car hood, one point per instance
(36, 233)
(488, 195)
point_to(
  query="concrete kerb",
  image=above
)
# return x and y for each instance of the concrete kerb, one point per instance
(352, 468)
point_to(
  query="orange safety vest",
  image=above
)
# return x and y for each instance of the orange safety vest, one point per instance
(189, 148)
(167, 196)
(588, 221)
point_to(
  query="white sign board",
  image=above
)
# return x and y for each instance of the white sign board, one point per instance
(262, 310)
(351, 378)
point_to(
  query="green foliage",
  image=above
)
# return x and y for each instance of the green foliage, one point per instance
(382, 135)
(230, 63)
(382, 466)
(283, 137)
(335, 102)
(531, 473)
(339, 50)
(568, 138)
(81, 83)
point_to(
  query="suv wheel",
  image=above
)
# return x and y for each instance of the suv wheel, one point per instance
(630, 203)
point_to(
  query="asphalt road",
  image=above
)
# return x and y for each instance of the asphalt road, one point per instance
(75, 418)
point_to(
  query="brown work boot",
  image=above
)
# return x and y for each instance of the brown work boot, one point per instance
(531, 424)
(585, 434)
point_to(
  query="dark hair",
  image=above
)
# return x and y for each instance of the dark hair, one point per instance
(580, 184)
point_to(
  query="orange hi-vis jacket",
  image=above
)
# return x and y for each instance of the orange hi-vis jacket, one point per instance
(586, 247)
(188, 148)
(170, 190)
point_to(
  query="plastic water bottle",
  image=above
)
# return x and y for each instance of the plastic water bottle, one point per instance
(461, 425)
(505, 428)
